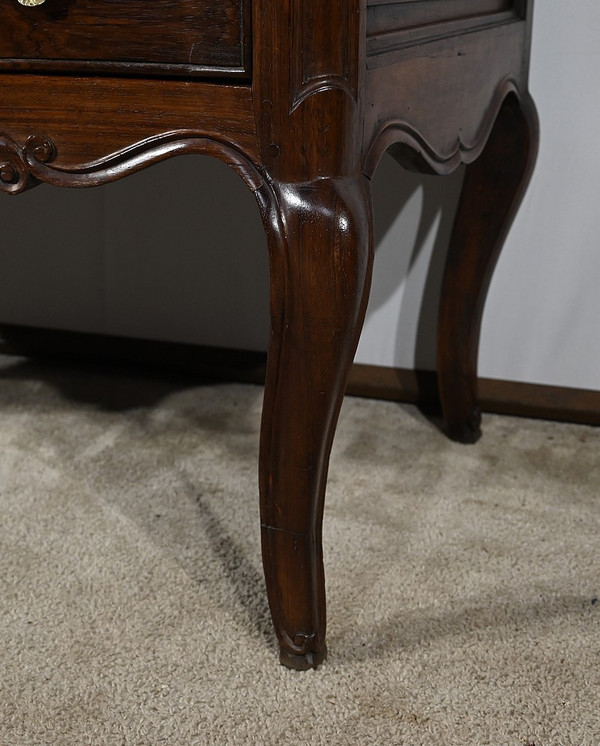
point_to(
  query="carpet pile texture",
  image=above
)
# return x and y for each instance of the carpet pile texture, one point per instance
(463, 581)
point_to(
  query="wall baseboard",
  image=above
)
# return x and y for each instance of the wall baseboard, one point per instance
(540, 401)
(220, 364)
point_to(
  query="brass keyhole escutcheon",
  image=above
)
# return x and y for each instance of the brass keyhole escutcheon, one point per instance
(31, 3)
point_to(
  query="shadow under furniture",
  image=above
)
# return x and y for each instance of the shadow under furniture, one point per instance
(301, 98)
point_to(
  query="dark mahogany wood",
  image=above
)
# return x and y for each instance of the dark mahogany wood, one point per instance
(181, 37)
(321, 256)
(301, 102)
(492, 191)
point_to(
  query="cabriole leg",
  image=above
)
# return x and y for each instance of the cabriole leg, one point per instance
(492, 191)
(320, 240)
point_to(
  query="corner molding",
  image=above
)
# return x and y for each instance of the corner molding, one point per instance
(339, 71)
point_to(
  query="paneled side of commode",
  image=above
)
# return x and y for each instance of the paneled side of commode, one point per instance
(395, 27)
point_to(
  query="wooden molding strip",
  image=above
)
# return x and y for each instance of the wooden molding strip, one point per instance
(394, 26)
(514, 398)
(222, 364)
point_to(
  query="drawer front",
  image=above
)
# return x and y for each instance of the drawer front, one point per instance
(179, 37)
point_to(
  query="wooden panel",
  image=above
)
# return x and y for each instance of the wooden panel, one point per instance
(386, 14)
(450, 125)
(189, 37)
(87, 127)
(396, 25)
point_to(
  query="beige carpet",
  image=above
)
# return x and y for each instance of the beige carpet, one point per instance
(463, 581)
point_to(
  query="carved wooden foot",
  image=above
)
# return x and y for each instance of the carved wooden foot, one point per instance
(492, 191)
(320, 260)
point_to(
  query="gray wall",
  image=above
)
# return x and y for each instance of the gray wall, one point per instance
(178, 253)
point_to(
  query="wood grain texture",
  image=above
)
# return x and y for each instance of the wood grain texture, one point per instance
(306, 100)
(491, 194)
(398, 115)
(103, 122)
(394, 27)
(184, 37)
(321, 253)
(328, 87)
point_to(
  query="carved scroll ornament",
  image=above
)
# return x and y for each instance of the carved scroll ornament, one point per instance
(16, 173)
(22, 167)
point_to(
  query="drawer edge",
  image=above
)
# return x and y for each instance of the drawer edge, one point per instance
(240, 73)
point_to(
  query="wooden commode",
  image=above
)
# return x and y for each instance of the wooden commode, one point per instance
(301, 98)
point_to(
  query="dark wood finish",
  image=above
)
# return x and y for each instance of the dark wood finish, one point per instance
(396, 26)
(330, 87)
(560, 403)
(533, 400)
(321, 247)
(180, 37)
(499, 179)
